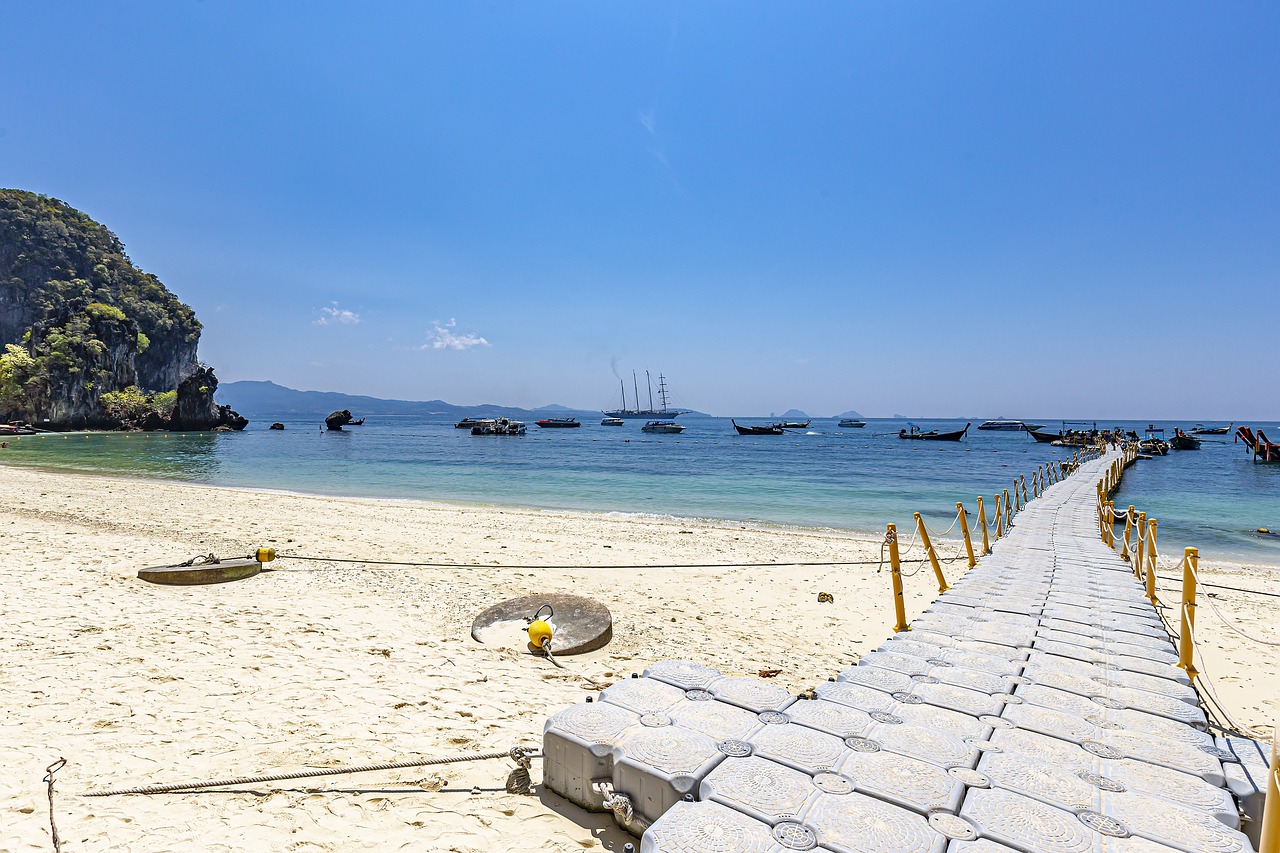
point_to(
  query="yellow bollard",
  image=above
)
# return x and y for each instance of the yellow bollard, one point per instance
(895, 572)
(1151, 559)
(933, 557)
(1035, 482)
(964, 526)
(1111, 521)
(982, 520)
(1016, 498)
(1022, 484)
(1008, 510)
(1269, 842)
(1139, 565)
(1190, 561)
(999, 520)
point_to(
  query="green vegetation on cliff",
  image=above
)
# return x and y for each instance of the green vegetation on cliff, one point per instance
(80, 320)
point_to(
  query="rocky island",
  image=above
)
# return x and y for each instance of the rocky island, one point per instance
(89, 340)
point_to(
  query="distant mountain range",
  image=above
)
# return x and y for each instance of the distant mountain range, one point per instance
(255, 399)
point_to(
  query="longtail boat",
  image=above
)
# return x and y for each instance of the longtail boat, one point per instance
(932, 435)
(770, 429)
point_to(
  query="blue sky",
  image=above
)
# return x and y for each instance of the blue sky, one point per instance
(1024, 209)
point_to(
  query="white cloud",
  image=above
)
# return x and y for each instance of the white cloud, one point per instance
(331, 315)
(442, 336)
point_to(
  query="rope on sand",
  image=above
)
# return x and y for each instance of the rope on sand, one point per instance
(517, 782)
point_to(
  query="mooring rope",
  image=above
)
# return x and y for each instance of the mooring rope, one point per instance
(518, 754)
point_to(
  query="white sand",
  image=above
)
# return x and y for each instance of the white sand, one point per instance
(317, 665)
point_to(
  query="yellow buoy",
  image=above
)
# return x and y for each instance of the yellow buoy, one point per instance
(265, 555)
(539, 633)
(1263, 530)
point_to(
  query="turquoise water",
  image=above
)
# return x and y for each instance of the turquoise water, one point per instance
(825, 476)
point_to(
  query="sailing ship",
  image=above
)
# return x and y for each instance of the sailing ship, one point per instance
(666, 413)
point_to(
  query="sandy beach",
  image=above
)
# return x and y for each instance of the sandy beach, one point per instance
(318, 664)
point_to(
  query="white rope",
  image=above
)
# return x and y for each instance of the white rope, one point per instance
(1209, 688)
(1227, 622)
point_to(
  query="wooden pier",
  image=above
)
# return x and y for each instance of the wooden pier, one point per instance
(1035, 706)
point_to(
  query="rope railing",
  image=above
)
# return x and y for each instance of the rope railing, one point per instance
(1009, 503)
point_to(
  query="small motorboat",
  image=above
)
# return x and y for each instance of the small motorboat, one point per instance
(770, 429)
(663, 427)
(1010, 426)
(851, 422)
(1183, 441)
(914, 433)
(1154, 442)
(16, 429)
(795, 424)
(468, 423)
(612, 422)
(1201, 429)
(558, 423)
(499, 426)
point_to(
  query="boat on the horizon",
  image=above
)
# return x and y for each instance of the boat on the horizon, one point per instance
(768, 429)
(851, 422)
(663, 427)
(1201, 429)
(558, 423)
(916, 434)
(795, 424)
(1011, 426)
(499, 426)
(664, 414)
(612, 422)
(469, 422)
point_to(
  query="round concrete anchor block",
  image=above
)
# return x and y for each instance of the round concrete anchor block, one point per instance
(206, 573)
(578, 624)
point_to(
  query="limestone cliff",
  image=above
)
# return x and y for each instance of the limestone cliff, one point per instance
(79, 321)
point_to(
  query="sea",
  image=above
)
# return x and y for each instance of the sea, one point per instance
(825, 476)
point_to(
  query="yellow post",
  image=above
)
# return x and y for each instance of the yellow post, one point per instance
(964, 526)
(1128, 533)
(1151, 560)
(933, 557)
(982, 520)
(1008, 510)
(999, 520)
(1111, 521)
(1017, 499)
(1022, 483)
(895, 572)
(1035, 482)
(1270, 840)
(1139, 565)
(1190, 561)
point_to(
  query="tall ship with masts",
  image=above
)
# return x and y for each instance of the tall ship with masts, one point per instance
(651, 413)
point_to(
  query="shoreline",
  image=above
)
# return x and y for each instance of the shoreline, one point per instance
(442, 503)
(317, 665)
